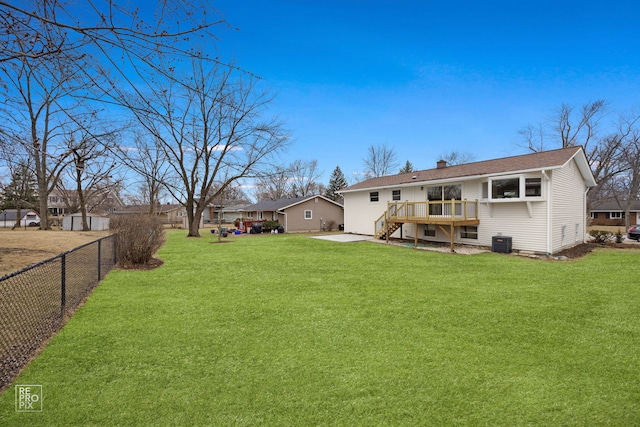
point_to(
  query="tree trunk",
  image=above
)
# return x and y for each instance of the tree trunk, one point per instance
(43, 196)
(18, 214)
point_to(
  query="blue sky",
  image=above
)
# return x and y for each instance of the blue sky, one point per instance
(428, 77)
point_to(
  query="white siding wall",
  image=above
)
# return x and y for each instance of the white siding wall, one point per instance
(512, 219)
(360, 213)
(568, 210)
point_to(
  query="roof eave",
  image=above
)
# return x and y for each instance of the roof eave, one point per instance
(454, 179)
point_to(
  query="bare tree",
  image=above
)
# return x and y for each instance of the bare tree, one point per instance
(380, 161)
(304, 178)
(91, 166)
(626, 185)
(111, 29)
(39, 109)
(298, 179)
(148, 161)
(457, 157)
(211, 131)
(273, 184)
(568, 128)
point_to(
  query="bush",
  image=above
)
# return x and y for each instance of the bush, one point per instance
(270, 225)
(330, 225)
(619, 236)
(601, 236)
(138, 238)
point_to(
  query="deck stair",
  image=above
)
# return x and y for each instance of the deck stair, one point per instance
(446, 214)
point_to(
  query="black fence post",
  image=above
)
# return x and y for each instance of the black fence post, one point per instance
(99, 258)
(63, 284)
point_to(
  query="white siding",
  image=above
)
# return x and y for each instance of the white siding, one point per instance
(513, 219)
(568, 210)
(360, 213)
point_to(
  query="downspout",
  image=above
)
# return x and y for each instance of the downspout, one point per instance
(585, 217)
(548, 185)
(286, 220)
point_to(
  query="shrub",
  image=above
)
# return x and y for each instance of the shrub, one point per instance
(330, 225)
(270, 225)
(138, 238)
(600, 236)
(618, 236)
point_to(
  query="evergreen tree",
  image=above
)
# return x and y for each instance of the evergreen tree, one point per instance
(408, 167)
(337, 181)
(21, 192)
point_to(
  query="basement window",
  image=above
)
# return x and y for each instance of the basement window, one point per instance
(469, 232)
(430, 230)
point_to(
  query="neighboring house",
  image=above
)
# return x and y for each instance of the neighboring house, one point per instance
(535, 201)
(28, 218)
(61, 202)
(173, 214)
(95, 222)
(303, 214)
(229, 212)
(611, 213)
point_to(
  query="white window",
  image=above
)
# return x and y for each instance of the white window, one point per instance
(308, 214)
(374, 196)
(396, 195)
(512, 187)
(616, 215)
(533, 187)
(508, 188)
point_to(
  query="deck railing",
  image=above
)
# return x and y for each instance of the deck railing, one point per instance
(441, 210)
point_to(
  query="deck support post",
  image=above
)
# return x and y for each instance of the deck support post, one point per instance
(452, 236)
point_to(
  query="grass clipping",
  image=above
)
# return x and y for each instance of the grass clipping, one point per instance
(138, 238)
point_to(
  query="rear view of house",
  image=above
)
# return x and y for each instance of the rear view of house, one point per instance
(535, 201)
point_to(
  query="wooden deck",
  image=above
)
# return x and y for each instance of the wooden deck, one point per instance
(445, 214)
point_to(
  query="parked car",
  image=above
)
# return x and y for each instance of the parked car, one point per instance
(634, 232)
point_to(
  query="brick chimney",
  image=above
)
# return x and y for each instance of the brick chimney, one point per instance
(441, 164)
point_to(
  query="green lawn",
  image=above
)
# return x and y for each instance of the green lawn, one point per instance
(286, 330)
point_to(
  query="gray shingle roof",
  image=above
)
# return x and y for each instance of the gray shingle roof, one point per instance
(274, 205)
(612, 205)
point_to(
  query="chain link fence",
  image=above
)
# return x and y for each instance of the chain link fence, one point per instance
(35, 301)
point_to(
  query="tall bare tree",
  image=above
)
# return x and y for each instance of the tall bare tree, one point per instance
(212, 131)
(381, 160)
(604, 143)
(39, 108)
(298, 179)
(304, 178)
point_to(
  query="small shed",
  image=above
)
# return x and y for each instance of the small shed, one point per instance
(73, 222)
